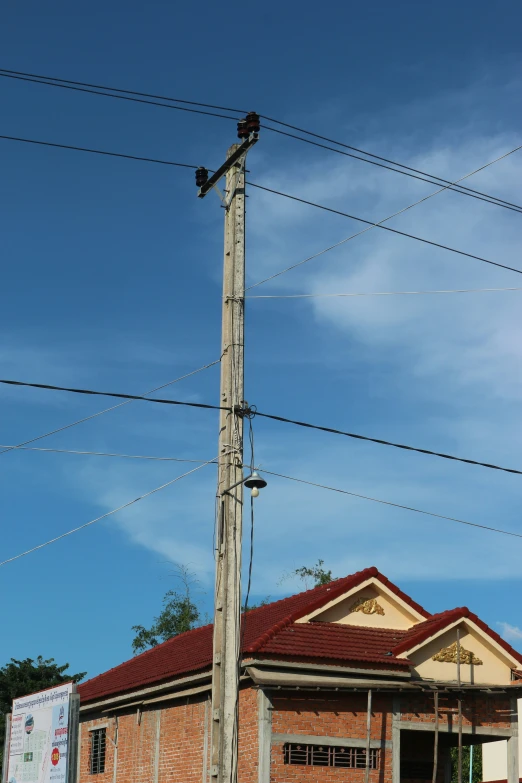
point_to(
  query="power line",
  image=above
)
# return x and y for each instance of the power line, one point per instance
(107, 410)
(6, 71)
(104, 454)
(97, 89)
(50, 387)
(277, 193)
(108, 514)
(450, 186)
(379, 157)
(373, 225)
(119, 97)
(97, 152)
(380, 293)
(387, 443)
(395, 505)
(384, 220)
(269, 416)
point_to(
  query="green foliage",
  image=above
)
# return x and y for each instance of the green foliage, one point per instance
(477, 764)
(316, 574)
(179, 614)
(19, 678)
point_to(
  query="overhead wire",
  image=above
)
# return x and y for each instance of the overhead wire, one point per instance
(119, 97)
(104, 454)
(382, 442)
(395, 505)
(372, 225)
(97, 89)
(385, 220)
(450, 186)
(96, 152)
(285, 195)
(381, 293)
(377, 157)
(107, 514)
(273, 417)
(107, 410)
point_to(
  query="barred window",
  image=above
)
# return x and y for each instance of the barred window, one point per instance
(97, 754)
(329, 756)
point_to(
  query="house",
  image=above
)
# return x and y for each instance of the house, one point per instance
(349, 681)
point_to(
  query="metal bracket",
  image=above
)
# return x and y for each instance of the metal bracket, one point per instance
(227, 165)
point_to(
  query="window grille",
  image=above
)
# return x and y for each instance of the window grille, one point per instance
(97, 755)
(329, 756)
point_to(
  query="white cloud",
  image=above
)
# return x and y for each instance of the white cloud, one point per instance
(510, 632)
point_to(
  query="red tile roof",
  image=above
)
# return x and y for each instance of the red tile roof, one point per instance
(192, 651)
(337, 642)
(437, 622)
(272, 630)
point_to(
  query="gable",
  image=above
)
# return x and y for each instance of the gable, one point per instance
(482, 659)
(371, 604)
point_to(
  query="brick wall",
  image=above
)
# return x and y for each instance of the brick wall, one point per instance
(165, 745)
(331, 716)
(481, 710)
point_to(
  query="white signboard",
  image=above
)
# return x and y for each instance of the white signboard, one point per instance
(38, 744)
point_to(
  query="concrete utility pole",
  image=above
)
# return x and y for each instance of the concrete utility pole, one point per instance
(227, 599)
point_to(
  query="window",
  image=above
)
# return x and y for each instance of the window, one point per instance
(329, 756)
(97, 755)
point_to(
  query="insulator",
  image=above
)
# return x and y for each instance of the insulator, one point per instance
(242, 130)
(252, 122)
(201, 176)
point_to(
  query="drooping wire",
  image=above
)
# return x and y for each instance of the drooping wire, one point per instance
(283, 419)
(54, 81)
(394, 505)
(108, 514)
(285, 195)
(450, 186)
(107, 410)
(372, 224)
(379, 224)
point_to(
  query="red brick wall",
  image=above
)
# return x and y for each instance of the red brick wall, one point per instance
(182, 731)
(481, 710)
(333, 716)
(248, 736)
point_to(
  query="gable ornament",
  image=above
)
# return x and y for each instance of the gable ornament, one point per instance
(450, 655)
(367, 606)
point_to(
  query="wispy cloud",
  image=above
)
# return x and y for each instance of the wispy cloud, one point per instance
(510, 632)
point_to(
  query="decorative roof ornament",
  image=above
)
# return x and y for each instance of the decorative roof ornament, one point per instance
(450, 655)
(367, 606)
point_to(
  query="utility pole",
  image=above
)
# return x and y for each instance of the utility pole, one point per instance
(227, 597)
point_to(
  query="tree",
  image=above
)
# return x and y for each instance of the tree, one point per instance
(19, 678)
(179, 614)
(311, 576)
(477, 764)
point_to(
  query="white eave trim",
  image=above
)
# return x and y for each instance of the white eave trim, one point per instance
(372, 581)
(464, 621)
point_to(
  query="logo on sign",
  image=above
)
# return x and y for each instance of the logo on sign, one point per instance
(29, 724)
(61, 715)
(55, 757)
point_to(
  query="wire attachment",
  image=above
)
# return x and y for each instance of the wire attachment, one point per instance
(245, 411)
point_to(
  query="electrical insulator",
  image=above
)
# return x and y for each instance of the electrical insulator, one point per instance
(201, 176)
(242, 130)
(252, 122)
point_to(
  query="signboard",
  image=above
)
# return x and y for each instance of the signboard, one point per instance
(42, 736)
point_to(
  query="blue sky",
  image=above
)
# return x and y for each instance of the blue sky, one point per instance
(112, 279)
